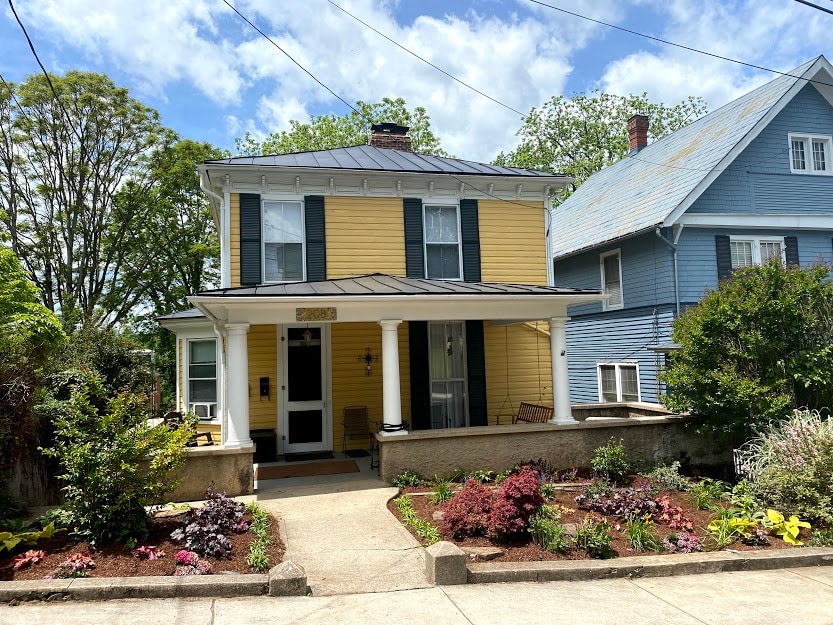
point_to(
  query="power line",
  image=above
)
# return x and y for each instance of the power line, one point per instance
(424, 60)
(71, 126)
(815, 6)
(274, 43)
(679, 45)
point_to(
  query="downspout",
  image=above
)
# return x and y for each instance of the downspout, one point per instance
(676, 275)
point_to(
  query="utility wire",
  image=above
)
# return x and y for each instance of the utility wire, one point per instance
(274, 43)
(71, 125)
(679, 45)
(424, 60)
(815, 6)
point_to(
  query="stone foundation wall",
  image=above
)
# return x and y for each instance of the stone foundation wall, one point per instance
(226, 470)
(650, 440)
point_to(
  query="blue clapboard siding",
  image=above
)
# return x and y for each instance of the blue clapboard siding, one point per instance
(698, 261)
(647, 273)
(616, 336)
(759, 179)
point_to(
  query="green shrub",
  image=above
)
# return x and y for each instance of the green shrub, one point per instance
(822, 538)
(113, 463)
(407, 478)
(593, 536)
(443, 491)
(667, 477)
(757, 346)
(547, 532)
(609, 462)
(790, 463)
(706, 491)
(548, 491)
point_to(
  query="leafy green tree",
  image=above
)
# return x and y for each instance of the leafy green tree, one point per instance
(579, 136)
(758, 346)
(324, 132)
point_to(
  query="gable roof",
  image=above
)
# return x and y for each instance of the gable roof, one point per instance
(371, 158)
(654, 187)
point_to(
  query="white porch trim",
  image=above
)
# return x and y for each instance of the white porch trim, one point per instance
(237, 432)
(391, 399)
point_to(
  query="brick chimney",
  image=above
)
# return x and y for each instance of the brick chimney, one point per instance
(391, 136)
(637, 133)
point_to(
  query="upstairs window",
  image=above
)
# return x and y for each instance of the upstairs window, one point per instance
(748, 251)
(810, 154)
(611, 268)
(442, 242)
(283, 241)
(202, 378)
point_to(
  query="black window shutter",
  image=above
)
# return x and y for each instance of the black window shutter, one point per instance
(414, 252)
(420, 375)
(724, 256)
(470, 229)
(250, 252)
(476, 370)
(791, 251)
(315, 238)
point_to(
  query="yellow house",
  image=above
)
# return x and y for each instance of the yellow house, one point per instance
(415, 287)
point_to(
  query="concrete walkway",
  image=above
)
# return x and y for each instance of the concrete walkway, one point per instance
(783, 596)
(339, 529)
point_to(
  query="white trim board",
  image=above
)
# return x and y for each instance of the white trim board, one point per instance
(757, 220)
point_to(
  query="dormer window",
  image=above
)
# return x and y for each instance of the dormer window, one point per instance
(810, 154)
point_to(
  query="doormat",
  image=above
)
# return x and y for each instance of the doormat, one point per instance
(357, 453)
(315, 455)
(305, 470)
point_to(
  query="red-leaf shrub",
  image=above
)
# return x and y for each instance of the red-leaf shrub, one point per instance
(518, 499)
(467, 513)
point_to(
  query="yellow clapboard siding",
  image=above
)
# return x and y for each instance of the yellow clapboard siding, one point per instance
(528, 360)
(234, 216)
(209, 427)
(512, 242)
(351, 386)
(364, 235)
(263, 362)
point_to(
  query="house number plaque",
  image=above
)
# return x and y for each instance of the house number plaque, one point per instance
(315, 314)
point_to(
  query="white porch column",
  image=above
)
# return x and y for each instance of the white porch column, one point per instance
(560, 375)
(391, 400)
(237, 373)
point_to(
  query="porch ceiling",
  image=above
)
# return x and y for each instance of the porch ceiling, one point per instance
(378, 296)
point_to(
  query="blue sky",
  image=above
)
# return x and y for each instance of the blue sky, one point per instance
(212, 78)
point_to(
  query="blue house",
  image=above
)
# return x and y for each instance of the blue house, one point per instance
(750, 181)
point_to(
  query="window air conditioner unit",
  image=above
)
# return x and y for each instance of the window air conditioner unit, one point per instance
(205, 412)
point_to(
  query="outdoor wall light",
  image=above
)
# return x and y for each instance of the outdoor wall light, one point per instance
(368, 358)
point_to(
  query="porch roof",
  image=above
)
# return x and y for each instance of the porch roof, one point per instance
(374, 297)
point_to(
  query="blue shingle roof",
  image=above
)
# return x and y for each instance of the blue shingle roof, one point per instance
(640, 192)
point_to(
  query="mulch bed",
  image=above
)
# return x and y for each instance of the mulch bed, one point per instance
(119, 561)
(524, 550)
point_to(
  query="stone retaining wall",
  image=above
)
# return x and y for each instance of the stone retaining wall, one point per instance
(227, 470)
(647, 440)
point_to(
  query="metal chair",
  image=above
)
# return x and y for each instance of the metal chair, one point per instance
(355, 425)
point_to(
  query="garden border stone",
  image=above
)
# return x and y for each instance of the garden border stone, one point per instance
(284, 579)
(648, 566)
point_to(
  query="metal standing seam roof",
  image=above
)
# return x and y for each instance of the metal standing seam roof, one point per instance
(182, 315)
(371, 158)
(639, 192)
(378, 284)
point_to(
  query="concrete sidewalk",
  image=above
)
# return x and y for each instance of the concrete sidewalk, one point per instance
(339, 529)
(782, 596)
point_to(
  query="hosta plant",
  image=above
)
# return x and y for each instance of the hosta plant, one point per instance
(21, 536)
(787, 529)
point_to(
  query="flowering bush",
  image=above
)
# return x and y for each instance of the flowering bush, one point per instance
(467, 513)
(790, 464)
(682, 543)
(518, 499)
(183, 556)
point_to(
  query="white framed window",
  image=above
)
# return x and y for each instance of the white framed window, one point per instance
(441, 233)
(810, 154)
(748, 251)
(618, 381)
(283, 241)
(610, 265)
(202, 377)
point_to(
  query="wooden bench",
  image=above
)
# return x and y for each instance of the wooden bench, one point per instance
(533, 413)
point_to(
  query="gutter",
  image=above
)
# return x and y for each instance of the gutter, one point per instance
(676, 275)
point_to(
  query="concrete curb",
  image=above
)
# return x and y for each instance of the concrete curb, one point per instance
(648, 566)
(283, 580)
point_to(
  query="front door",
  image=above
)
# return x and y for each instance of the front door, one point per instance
(447, 363)
(305, 425)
